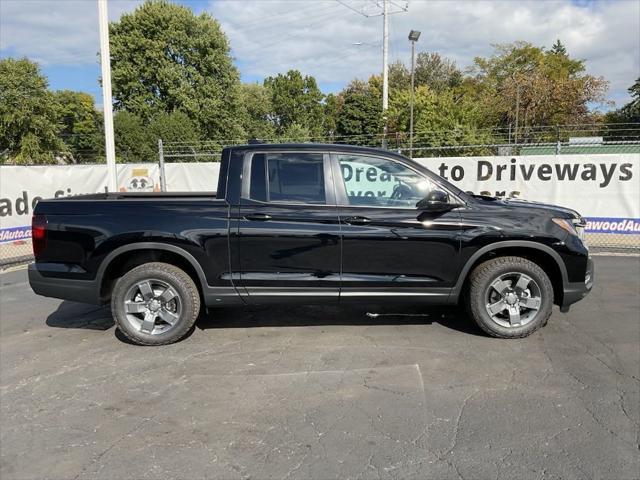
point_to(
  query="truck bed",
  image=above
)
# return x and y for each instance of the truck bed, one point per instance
(140, 196)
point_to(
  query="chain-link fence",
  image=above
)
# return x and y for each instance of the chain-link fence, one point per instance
(15, 246)
(15, 253)
(462, 141)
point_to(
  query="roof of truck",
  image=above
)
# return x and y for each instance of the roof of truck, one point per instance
(313, 146)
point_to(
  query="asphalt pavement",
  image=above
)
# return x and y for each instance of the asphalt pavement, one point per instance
(323, 392)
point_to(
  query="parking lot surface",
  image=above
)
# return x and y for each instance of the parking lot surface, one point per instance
(323, 392)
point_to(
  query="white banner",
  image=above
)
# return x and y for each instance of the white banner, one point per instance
(192, 177)
(21, 187)
(603, 188)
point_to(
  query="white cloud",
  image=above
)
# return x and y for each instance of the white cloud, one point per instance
(317, 37)
(54, 32)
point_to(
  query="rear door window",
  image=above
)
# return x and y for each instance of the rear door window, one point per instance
(288, 178)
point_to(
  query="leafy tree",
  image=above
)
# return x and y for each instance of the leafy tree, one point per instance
(295, 133)
(436, 72)
(28, 113)
(295, 99)
(360, 118)
(540, 87)
(132, 139)
(440, 118)
(332, 107)
(172, 127)
(432, 70)
(399, 76)
(165, 59)
(258, 111)
(82, 126)
(137, 141)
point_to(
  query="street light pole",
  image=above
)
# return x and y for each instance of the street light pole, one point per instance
(385, 68)
(414, 35)
(105, 61)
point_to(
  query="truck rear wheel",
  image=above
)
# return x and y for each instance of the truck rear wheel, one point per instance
(155, 304)
(510, 297)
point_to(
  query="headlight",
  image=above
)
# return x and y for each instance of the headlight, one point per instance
(574, 226)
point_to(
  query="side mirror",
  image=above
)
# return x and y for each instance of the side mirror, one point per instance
(436, 201)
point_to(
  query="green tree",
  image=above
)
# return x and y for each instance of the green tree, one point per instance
(137, 140)
(295, 133)
(360, 118)
(332, 107)
(165, 59)
(440, 118)
(432, 69)
(539, 87)
(258, 111)
(399, 76)
(172, 127)
(82, 126)
(436, 72)
(29, 124)
(295, 99)
(133, 142)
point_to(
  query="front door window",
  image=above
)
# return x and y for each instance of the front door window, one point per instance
(380, 182)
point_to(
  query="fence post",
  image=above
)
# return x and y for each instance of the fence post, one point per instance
(558, 144)
(163, 178)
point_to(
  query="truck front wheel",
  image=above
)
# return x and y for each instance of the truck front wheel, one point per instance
(155, 304)
(509, 297)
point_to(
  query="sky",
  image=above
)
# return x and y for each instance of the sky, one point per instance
(338, 40)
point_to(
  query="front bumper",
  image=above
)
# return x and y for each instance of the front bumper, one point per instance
(84, 291)
(574, 292)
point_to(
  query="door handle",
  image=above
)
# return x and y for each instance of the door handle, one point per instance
(357, 220)
(258, 217)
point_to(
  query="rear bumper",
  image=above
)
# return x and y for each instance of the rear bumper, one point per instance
(574, 292)
(84, 291)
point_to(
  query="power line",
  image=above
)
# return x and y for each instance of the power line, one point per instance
(291, 36)
(317, 7)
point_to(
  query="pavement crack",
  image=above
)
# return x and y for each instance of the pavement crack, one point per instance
(456, 428)
(99, 457)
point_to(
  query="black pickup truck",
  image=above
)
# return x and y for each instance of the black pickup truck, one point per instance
(310, 224)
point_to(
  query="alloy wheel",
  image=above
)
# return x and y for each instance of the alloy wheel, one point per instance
(513, 299)
(152, 306)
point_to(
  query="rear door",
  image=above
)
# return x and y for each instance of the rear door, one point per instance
(289, 230)
(390, 247)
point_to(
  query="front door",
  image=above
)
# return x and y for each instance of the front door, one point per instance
(289, 231)
(390, 247)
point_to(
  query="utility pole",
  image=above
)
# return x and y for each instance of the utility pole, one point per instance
(385, 68)
(105, 61)
(385, 48)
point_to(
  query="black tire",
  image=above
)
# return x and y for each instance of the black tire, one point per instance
(184, 291)
(480, 288)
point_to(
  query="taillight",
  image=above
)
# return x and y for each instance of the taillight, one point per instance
(39, 234)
